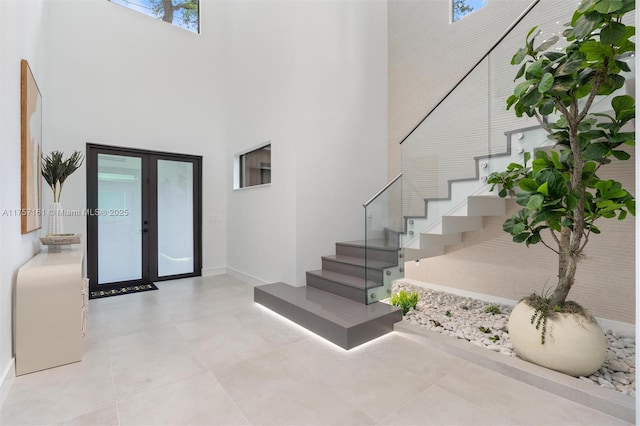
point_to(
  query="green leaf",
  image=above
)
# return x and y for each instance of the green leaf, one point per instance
(528, 184)
(547, 107)
(586, 5)
(520, 238)
(531, 99)
(612, 33)
(583, 26)
(622, 103)
(520, 72)
(518, 228)
(568, 68)
(609, 6)
(595, 151)
(522, 88)
(544, 188)
(535, 201)
(546, 83)
(583, 91)
(555, 158)
(595, 51)
(533, 239)
(522, 198)
(621, 155)
(548, 43)
(612, 83)
(623, 66)
(519, 56)
(535, 70)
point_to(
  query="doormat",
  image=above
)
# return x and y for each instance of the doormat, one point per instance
(122, 290)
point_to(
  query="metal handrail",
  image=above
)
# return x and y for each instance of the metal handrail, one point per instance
(493, 47)
(372, 199)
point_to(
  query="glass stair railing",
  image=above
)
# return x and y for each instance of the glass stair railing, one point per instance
(447, 158)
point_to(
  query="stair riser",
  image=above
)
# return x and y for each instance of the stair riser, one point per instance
(353, 270)
(486, 206)
(388, 256)
(336, 288)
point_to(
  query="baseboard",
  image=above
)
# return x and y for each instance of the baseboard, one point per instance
(246, 278)
(211, 272)
(6, 380)
(621, 328)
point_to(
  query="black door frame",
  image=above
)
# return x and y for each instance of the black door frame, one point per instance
(149, 213)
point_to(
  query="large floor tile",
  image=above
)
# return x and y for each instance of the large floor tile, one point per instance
(56, 394)
(397, 352)
(107, 416)
(271, 327)
(518, 402)
(437, 406)
(271, 390)
(144, 361)
(222, 350)
(199, 400)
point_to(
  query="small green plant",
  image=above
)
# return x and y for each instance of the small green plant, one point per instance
(405, 300)
(449, 314)
(544, 309)
(494, 338)
(493, 309)
(56, 170)
(485, 329)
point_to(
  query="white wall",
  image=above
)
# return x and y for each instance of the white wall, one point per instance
(21, 37)
(488, 261)
(428, 54)
(118, 77)
(310, 76)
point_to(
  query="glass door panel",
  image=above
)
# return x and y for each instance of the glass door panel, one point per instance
(119, 214)
(175, 217)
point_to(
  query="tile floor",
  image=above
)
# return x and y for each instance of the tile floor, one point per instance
(201, 352)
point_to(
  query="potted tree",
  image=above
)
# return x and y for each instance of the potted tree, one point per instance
(55, 171)
(559, 191)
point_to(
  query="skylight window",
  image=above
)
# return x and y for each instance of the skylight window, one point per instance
(182, 13)
(462, 8)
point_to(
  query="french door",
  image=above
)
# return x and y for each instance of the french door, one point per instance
(144, 222)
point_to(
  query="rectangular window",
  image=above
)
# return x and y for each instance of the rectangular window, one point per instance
(254, 167)
(182, 13)
(462, 8)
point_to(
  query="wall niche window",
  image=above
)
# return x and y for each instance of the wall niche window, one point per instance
(462, 8)
(181, 13)
(254, 167)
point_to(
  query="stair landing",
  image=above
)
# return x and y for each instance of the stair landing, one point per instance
(340, 320)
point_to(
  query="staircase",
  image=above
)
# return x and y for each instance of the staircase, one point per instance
(333, 303)
(340, 300)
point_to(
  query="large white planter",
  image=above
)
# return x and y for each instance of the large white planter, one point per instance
(573, 344)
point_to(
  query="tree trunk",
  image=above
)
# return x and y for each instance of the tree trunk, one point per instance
(570, 245)
(167, 8)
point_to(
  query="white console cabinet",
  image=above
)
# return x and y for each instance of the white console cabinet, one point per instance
(50, 310)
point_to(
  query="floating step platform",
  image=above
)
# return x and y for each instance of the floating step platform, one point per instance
(340, 320)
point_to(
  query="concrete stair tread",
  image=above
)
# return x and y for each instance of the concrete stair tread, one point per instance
(374, 244)
(340, 320)
(347, 280)
(373, 264)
